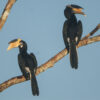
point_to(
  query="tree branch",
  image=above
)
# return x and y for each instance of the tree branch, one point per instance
(6, 12)
(50, 63)
(92, 32)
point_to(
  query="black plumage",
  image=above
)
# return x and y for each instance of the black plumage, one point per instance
(27, 63)
(72, 32)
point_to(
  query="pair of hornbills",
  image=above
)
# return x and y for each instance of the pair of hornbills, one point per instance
(72, 32)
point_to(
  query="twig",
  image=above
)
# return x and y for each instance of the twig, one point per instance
(50, 63)
(6, 12)
(92, 32)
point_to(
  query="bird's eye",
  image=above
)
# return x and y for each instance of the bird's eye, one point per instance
(21, 45)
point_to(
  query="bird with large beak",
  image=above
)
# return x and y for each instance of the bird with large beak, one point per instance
(27, 63)
(72, 32)
(14, 44)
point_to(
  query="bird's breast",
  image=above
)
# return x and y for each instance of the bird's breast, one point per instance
(72, 30)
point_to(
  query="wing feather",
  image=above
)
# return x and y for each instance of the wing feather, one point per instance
(79, 30)
(65, 34)
(34, 59)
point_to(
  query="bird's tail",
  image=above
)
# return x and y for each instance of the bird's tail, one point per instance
(73, 55)
(34, 84)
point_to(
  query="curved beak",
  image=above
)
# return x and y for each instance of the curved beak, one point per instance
(14, 44)
(78, 11)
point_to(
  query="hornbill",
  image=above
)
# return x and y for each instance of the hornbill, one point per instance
(27, 63)
(72, 32)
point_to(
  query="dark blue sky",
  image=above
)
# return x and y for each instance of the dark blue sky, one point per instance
(40, 23)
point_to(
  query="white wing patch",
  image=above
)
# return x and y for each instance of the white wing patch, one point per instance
(76, 39)
(28, 70)
(68, 39)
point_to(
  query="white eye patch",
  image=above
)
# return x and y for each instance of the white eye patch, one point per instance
(21, 45)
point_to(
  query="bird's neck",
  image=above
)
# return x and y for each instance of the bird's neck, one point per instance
(23, 52)
(73, 18)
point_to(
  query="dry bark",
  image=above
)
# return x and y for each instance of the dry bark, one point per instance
(6, 12)
(50, 63)
(92, 32)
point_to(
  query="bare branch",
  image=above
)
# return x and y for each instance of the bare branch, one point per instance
(92, 32)
(50, 63)
(6, 12)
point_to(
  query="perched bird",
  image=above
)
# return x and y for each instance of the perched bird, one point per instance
(72, 32)
(27, 63)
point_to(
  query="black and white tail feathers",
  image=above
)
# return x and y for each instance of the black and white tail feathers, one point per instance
(34, 84)
(73, 55)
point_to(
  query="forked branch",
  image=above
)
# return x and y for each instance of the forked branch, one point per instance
(92, 32)
(50, 63)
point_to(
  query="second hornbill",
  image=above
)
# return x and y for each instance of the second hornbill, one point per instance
(27, 63)
(72, 32)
